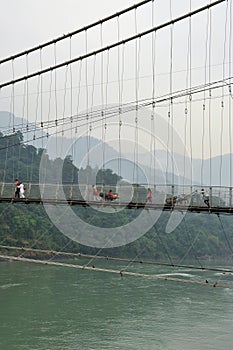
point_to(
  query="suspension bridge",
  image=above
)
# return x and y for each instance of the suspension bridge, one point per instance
(141, 89)
(148, 96)
(219, 199)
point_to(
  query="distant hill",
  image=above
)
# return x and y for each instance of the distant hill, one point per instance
(215, 170)
(8, 121)
(156, 167)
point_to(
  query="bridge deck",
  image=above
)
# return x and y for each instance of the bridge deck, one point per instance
(116, 204)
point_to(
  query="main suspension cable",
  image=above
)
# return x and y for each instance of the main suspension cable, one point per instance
(106, 48)
(69, 35)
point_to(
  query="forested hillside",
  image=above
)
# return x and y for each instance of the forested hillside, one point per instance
(198, 235)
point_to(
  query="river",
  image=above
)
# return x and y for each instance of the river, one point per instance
(59, 308)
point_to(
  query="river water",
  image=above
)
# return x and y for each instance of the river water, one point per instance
(58, 308)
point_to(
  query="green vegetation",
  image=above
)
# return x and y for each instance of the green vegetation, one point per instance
(198, 235)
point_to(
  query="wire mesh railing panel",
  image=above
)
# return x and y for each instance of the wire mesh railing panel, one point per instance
(156, 195)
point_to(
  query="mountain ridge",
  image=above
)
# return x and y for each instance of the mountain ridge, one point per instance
(166, 167)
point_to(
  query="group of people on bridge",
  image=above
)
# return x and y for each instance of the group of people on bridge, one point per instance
(170, 200)
(19, 189)
(110, 196)
(102, 195)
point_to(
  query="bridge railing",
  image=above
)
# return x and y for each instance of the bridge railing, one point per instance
(171, 195)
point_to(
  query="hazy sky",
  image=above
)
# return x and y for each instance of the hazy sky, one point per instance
(26, 23)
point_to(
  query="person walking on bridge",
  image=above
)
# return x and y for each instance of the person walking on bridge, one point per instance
(205, 197)
(149, 195)
(95, 193)
(21, 190)
(17, 188)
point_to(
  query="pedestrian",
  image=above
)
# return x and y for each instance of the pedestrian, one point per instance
(206, 198)
(21, 190)
(149, 195)
(95, 193)
(17, 188)
(111, 196)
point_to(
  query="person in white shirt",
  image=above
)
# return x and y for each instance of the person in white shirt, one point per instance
(21, 190)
